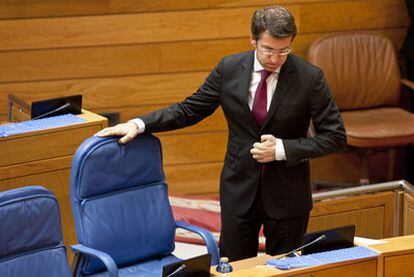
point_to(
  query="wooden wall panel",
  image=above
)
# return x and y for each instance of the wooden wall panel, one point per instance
(353, 15)
(408, 215)
(194, 178)
(55, 64)
(134, 56)
(194, 148)
(124, 29)
(99, 93)
(372, 213)
(50, 8)
(370, 222)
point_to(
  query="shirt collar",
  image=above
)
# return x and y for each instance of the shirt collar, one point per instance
(257, 66)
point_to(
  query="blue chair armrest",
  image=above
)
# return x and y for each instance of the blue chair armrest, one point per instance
(105, 258)
(207, 237)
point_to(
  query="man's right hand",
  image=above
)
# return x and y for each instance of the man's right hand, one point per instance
(128, 131)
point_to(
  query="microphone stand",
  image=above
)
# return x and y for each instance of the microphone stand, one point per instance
(321, 237)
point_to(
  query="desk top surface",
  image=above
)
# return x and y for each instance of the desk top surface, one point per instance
(255, 266)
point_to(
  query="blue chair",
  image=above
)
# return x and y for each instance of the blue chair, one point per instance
(31, 234)
(123, 217)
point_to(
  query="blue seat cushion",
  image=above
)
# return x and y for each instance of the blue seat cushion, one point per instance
(149, 268)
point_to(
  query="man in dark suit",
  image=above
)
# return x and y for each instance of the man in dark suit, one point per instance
(269, 96)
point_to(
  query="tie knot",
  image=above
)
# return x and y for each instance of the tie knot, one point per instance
(265, 74)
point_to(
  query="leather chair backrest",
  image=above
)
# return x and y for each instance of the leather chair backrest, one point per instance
(120, 200)
(362, 69)
(30, 234)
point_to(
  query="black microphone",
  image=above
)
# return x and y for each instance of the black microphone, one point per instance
(178, 270)
(321, 237)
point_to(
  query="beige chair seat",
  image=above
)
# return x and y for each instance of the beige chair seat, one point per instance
(382, 127)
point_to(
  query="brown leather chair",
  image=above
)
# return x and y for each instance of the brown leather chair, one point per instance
(363, 72)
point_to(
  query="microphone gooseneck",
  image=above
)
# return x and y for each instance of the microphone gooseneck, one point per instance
(321, 237)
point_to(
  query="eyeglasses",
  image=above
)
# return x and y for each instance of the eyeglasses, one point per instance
(282, 53)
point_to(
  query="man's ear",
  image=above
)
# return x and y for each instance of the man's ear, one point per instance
(252, 41)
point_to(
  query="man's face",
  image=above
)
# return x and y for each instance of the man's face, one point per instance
(272, 52)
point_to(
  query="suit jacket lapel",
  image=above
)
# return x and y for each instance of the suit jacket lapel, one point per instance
(284, 82)
(244, 82)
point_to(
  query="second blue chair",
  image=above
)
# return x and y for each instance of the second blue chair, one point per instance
(31, 243)
(123, 217)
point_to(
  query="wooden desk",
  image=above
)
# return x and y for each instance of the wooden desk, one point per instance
(45, 158)
(396, 259)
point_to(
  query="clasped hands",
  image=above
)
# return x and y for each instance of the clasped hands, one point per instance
(264, 151)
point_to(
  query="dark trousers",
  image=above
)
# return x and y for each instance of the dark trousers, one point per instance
(239, 238)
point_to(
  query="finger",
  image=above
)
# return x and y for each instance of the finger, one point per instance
(268, 138)
(256, 151)
(128, 137)
(104, 132)
(257, 157)
(258, 145)
(125, 139)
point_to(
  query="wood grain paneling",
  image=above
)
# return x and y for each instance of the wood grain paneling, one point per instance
(51, 8)
(194, 178)
(408, 215)
(399, 266)
(124, 29)
(369, 222)
(193, 148)
(100, 93)
(78, 63)
(372, 212)
(353, 15)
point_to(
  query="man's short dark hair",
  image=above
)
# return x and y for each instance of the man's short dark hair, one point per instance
(276, 20)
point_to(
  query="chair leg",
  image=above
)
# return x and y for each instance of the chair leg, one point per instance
(391, 163)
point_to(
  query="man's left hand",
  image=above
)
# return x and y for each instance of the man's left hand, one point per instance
(264, 151)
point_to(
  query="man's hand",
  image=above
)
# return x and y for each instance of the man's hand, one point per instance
(264, 151)
(127, 130)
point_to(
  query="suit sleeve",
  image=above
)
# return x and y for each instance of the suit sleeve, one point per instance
(330, 132)
(191, 110)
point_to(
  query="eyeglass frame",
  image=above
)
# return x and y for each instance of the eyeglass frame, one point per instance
(271, 53)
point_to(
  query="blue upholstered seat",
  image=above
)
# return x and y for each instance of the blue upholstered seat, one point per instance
(123, 218)
(31, 235)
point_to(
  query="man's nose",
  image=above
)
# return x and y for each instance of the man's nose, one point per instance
(275, 58)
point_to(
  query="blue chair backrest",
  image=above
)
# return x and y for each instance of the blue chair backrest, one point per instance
(120, 200)
(31, 234)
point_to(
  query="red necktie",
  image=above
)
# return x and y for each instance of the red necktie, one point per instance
(259, 108)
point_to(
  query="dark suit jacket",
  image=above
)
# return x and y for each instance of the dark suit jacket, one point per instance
(301, 95)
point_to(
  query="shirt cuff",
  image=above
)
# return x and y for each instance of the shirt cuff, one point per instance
(280, 150)
(139, 123)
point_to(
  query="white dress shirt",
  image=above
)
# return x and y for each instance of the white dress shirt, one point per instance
(255, 80)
